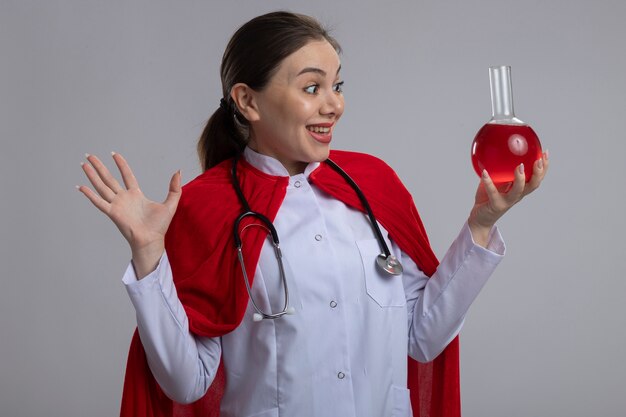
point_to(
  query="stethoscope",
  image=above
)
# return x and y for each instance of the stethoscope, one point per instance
(386, 261)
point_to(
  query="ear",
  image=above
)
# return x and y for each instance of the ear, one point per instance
(244, 98)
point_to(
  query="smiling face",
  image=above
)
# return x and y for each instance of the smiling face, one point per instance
(293, 117)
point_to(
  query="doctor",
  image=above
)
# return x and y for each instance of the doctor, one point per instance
(347, 346)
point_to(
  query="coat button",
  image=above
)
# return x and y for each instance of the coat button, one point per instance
(318, 237)
(297, 184)
(341, 375)
(333, 304)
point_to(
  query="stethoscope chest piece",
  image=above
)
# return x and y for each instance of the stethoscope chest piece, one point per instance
(390, 264)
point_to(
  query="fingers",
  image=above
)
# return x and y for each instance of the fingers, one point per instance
(540, 168)
(127, 174)
(102, 189)
(97, 201)
(500, 200)
(104, 174)
(545, 158)
(490, 188)
(174, 193)
(517, 189)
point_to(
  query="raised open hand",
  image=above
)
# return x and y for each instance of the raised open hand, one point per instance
(492, 200)
(142, 222)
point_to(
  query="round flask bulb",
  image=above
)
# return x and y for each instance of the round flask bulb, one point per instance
(501, 148)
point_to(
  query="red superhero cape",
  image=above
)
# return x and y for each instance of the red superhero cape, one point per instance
(210, 284)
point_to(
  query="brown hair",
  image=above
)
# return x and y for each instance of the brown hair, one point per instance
(252, 56)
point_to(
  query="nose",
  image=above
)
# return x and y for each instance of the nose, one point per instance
(333, 104)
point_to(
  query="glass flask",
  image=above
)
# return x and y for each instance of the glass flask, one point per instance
(505, 141)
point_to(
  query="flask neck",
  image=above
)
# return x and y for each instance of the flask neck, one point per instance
(501, 95)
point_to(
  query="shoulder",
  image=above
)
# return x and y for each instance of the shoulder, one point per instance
(207, 188)
(360, 164)
(204, 199)
(356, 159)
(198, 224)
(216, 177)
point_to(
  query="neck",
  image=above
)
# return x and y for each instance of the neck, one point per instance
(292, 167)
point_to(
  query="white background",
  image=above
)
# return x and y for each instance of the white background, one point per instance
(545, 338)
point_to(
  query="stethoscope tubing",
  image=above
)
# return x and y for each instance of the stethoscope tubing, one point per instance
(366, 205)
(386, 261)
(266, 222)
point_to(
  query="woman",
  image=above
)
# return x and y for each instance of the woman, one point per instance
(340, 345)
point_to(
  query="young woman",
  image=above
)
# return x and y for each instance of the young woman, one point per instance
(309, 319)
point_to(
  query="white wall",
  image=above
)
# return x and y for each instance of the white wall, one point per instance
(545, 338)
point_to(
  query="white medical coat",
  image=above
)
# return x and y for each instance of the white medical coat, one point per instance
(344, 351)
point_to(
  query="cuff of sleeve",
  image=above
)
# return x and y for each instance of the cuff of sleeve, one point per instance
(495, 249)
(136, 286)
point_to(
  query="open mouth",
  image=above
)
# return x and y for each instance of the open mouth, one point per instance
(322, 133)
(319, 129)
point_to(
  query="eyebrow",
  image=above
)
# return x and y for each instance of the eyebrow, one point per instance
(315, 70)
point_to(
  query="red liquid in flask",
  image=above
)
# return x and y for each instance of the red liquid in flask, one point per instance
(500, 148)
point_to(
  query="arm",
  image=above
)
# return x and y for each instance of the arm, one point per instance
(184, 365)
(437, 305)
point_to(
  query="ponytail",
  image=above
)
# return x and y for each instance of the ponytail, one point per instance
(223, 137)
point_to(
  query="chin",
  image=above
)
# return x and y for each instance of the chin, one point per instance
(321, 155)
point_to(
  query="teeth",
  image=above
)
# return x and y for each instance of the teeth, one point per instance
(318, 129)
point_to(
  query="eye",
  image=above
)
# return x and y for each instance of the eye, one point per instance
(338, 88)
(312, 89)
